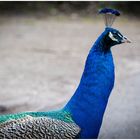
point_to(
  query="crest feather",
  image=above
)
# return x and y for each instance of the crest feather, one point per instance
(109, 15)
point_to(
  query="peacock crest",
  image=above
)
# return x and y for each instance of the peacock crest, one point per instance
(109, 16)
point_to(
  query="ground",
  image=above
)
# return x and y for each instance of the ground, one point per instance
(42, 59)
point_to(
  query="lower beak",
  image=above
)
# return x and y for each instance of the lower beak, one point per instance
(126, 40)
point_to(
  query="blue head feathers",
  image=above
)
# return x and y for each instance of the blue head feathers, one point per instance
(109, 11)
(109, 15)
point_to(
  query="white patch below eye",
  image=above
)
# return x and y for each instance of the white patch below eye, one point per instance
(112, 37)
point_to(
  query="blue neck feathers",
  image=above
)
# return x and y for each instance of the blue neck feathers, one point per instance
(88, 104)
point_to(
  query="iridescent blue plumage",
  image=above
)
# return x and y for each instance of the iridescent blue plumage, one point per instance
(88, 104)
(82, 115)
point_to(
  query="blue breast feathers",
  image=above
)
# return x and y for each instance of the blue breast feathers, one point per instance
(88, 104)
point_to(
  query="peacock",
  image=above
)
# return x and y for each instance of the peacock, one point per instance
(82, 116)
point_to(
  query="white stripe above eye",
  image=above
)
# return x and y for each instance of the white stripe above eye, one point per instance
(112, 37)
(120, 35)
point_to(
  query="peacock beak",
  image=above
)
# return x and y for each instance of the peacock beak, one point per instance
(126, 40)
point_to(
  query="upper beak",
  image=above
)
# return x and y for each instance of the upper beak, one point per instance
(126, 40)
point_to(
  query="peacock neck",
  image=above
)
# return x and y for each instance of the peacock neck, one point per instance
(88, 104)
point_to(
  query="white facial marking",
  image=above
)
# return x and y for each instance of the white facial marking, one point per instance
(120, 35)
(112, 37)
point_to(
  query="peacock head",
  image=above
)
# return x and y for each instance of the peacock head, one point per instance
(113, 37)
